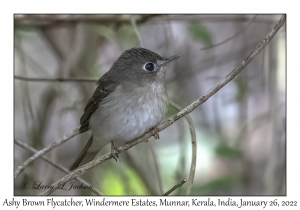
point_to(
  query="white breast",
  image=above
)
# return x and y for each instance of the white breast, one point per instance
(125, 115)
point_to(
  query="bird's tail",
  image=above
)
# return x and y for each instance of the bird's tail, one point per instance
(84, 156)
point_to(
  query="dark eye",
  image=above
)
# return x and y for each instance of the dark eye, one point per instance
(149, 66)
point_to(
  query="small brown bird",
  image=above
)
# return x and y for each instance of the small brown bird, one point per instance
(130, 99)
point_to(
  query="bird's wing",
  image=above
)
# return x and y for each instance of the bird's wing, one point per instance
(105, 87)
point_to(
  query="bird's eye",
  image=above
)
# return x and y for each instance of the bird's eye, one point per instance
(149, 66)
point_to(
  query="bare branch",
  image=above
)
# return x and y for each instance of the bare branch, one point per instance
(229, 38)
(45, 20)
(55, 79)
(83, 169)
(59, 167)
(194, 148)
(49, 20)
(175, 187)
(45, 150)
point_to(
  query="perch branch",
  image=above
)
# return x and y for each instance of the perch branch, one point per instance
(45, 150)
(59, 167)
(83, 169)
(175, 187)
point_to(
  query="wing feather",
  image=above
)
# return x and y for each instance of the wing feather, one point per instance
(104, 88)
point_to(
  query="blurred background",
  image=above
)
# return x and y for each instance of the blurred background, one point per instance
(241, 130)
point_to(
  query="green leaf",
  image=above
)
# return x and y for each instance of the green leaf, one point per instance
(200, 33)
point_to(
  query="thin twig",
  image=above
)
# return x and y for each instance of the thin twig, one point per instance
(136, 30)
(204, 65)
(45, 150)
(175, 187)
(224, 58)
(83, 169)
(59, 167)
(229, 38)
(194, 148)
(56, 79)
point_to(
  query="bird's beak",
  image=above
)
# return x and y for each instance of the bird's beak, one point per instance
(170, 59)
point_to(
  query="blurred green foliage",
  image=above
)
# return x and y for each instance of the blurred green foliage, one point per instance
(224, 150)
(17, 35)
(22, 35)
(97, 71)
(171, 111)
(200, 33)
(107, 32)
(216, 186)
(116, 184)
(242, 88)
(123, 36)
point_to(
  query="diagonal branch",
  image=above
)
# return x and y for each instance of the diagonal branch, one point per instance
(175, 187)
(59, 167)
(45, 150)
(83, 169)
(231, 37)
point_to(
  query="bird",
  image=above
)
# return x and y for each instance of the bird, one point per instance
(129, 100)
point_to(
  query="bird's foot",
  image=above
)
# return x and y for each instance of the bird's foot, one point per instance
(114, 151)
(155, 133)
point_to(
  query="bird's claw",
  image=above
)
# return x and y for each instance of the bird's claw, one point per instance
(155, 133)
(114, 151)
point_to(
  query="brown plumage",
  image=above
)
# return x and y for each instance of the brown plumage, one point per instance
(129, 100)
